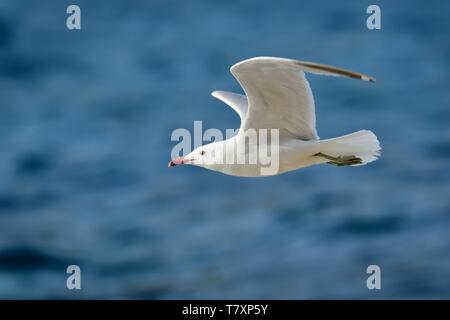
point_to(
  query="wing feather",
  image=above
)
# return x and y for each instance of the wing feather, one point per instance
(279, 96)
(235, 100)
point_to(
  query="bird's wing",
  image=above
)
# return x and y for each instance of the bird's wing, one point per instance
(235, 100)
(279, 96)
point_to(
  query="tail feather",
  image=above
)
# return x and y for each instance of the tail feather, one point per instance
(362, 144)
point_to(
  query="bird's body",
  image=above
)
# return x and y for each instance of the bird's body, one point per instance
(278, 125)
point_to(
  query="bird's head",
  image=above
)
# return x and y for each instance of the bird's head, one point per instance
(209, 156)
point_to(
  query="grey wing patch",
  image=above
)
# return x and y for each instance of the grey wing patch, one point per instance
(330, 70)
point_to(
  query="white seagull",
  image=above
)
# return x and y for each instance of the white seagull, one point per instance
(279, 100)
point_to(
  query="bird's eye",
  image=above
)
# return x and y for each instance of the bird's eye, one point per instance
(202, 152)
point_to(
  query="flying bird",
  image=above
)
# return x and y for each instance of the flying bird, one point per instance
(279, 103)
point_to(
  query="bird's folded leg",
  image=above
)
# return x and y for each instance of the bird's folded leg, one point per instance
(341, 160)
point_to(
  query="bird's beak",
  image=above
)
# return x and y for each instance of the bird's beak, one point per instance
(177, 161)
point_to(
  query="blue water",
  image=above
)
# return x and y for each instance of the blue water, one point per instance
(85, 124)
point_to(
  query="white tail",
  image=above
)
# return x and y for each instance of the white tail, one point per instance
(362, 144)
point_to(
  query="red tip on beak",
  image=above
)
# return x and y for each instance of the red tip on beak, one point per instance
(175, 162)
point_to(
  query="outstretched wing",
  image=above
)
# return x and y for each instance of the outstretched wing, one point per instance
(279, 96)
(235, 100)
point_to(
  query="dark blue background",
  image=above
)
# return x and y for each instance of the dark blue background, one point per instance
(85, 124)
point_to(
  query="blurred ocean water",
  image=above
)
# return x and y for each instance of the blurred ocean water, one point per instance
(85, 124)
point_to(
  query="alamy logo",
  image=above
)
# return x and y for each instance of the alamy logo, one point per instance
(74, 280)
(74, 20)
(374, 280)
(374, 20)
(247, 147)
